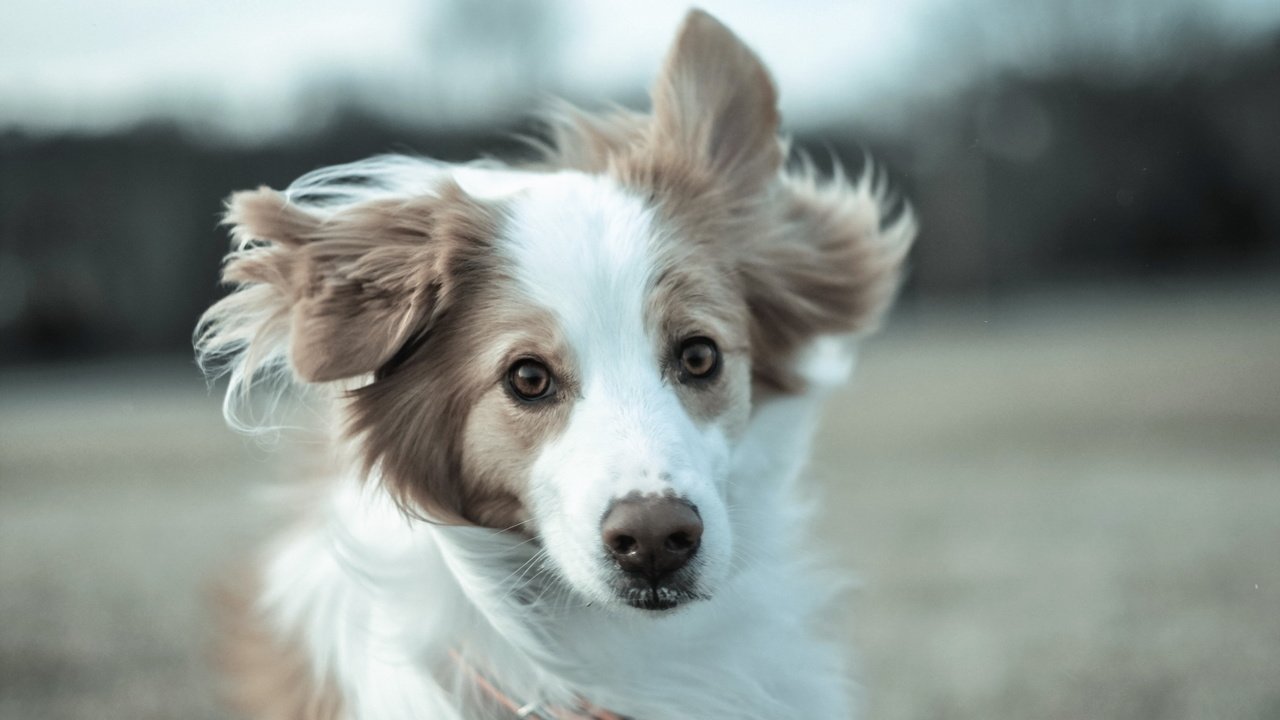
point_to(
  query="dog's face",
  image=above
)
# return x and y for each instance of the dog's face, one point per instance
(573, 352)
(622, 405)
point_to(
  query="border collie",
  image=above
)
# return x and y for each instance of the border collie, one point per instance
(570, 399)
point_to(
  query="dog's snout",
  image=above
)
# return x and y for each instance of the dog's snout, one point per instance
(652, 536)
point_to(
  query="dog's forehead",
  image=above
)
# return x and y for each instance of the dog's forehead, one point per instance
(583, 247)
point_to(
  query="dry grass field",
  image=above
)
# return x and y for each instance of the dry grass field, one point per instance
(1064, 507)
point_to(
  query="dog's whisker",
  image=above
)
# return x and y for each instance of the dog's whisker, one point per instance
(516, 584)
(513, 526)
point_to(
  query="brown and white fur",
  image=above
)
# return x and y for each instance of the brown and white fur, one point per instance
(461, 527)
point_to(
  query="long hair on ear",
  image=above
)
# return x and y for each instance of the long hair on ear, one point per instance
(245, 336)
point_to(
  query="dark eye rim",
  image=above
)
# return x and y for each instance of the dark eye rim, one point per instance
(683, 373)
(547, 392)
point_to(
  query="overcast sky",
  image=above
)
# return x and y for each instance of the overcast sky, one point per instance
(249, 69)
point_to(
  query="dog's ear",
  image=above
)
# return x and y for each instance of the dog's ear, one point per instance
(829, 267)
(346, 289)
(714, 103)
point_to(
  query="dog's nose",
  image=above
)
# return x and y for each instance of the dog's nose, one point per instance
(651, 535)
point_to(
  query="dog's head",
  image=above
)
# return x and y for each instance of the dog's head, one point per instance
(574, 350)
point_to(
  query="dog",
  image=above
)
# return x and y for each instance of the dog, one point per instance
(570, 400)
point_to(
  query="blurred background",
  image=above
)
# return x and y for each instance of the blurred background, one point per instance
(1057, 473)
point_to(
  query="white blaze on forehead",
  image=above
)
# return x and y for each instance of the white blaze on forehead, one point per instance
(581, 246)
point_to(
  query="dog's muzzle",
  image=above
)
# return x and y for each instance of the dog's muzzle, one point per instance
(651, 540)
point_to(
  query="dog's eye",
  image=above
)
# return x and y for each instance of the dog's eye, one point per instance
(530, 380)
(699, 358)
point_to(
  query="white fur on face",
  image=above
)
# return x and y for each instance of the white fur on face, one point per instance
(583, 249)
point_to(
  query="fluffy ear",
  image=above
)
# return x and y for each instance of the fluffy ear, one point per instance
(830, 268)
(343, 291)
(715, 103)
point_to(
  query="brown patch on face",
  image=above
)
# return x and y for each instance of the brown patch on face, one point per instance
(807, 258)
(413, 292)
(503, 434)
(269, 677)
(694, 296)
(414, 420)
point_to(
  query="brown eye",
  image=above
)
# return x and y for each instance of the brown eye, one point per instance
(699, 358)
(529, 380)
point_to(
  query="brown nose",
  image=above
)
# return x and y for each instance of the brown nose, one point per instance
(651, 535)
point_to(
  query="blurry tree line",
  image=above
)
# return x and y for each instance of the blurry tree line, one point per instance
(110, 244)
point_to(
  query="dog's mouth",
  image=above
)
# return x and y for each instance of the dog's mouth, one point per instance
(656, 596)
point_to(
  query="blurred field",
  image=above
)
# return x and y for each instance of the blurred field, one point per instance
(1066, 507)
